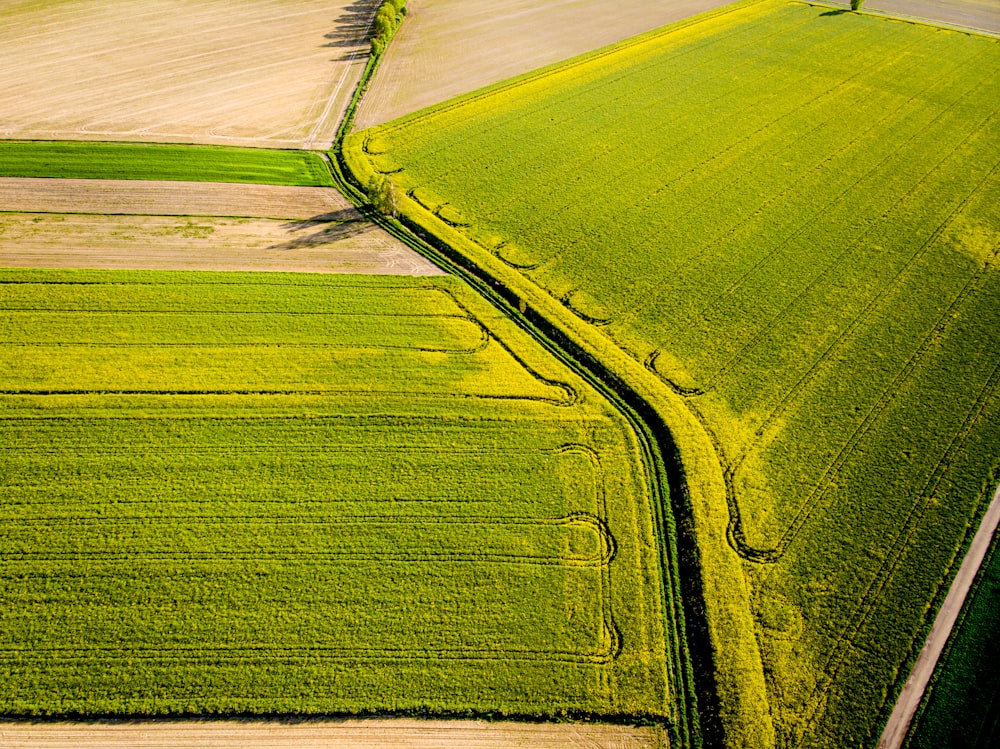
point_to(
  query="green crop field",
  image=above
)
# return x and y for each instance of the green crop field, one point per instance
(786, 217)
(88, 160)
(279, 493)
(962, 710)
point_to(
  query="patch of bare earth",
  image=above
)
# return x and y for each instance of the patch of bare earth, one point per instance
(449, 47)
(110, 224)
(154, 198)
(349, 734)
(974, 14)
(237, 72)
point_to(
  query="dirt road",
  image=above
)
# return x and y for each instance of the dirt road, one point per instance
(349, 734)
(916, 685)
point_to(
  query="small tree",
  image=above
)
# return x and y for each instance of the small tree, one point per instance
(383, 195)
(856, 4)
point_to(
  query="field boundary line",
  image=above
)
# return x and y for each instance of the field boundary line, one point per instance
(916, 685)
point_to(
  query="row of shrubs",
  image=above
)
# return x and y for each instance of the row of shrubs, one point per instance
(390, 14)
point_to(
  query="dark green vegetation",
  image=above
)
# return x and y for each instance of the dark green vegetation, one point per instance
(269, 493)
(789, 218)
(88, 160)
(962, 709)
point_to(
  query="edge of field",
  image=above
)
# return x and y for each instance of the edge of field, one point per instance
(723, 636)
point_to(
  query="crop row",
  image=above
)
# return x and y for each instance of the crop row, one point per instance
(147, 161)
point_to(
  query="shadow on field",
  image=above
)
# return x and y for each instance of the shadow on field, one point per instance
(333, 227)
(351, 30)
(834, 13)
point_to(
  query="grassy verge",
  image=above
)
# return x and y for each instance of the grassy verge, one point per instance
(90, 160)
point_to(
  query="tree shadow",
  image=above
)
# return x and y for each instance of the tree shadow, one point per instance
(333, 227)
(840, 12)
(351, 30)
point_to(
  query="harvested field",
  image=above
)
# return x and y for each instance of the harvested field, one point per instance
(255, 73)
(974, 14)
(166, 198)
(450, 47)
(349, 734)
(121, 224)
(347, 244)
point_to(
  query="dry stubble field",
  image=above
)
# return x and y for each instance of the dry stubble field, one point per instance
(248, 72)
(451, 47)
(129, 224)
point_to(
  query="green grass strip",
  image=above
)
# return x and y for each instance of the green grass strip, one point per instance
(151, 161)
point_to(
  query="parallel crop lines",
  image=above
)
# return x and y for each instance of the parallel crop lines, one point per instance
(270, 546)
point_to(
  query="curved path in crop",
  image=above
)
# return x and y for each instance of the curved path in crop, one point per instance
(347, 734)
(916, 685)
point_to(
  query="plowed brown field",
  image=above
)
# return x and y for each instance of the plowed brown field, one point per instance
(253, 72)
(48, 240)
(450, 47)
(29, 195)
(129, 224)
(349, 734)
(975, 14)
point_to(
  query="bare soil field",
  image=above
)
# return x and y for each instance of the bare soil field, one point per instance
(449, 47)
(156, 198)
(129, 224)
(339, 244)
(349, 734)
(248, 72)
(974, 14)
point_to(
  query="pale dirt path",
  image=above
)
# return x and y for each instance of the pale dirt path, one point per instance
(916, 685)
(449, 47)
(274, 73)
(349, 734)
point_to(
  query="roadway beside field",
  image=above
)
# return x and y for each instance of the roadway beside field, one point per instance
(349, 734)
(450, 47)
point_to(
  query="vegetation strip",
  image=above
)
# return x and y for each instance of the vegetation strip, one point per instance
(149, 161)
(909, 698)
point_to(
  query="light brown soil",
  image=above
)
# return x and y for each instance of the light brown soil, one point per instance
(449, 47)
(51, 240)
(913, 691)
(236, 72)
(349, 734)
(30, 195)
(974, 14)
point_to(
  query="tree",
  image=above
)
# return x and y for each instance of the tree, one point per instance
(856, 4)
(383, 195)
